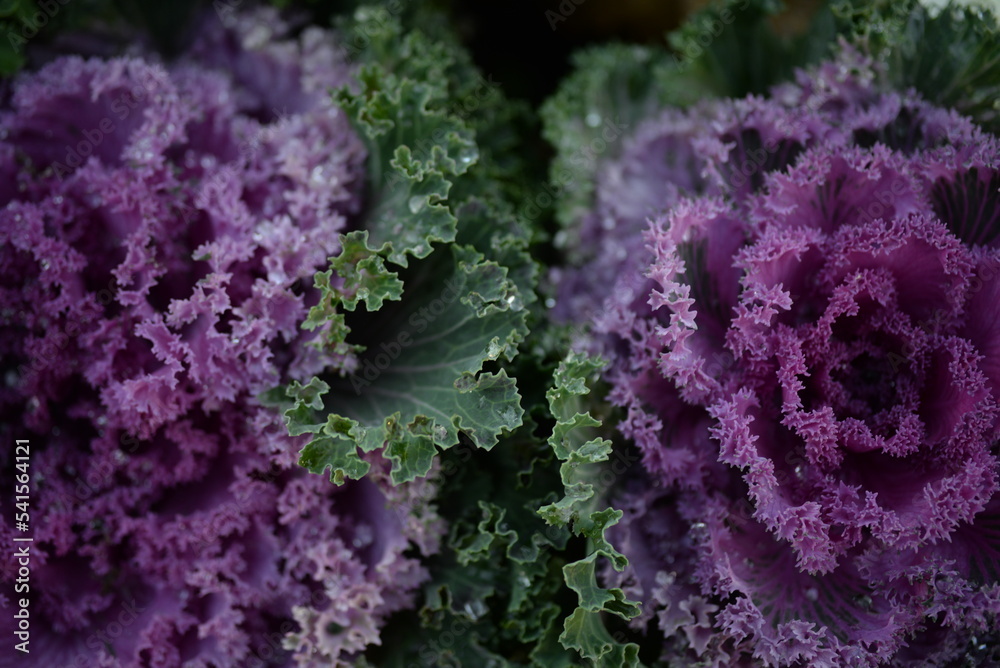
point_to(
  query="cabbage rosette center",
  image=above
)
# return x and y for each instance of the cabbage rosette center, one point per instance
(809, 362)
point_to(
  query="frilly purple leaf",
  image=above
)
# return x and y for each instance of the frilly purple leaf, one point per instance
(159, 234)
(799, 297)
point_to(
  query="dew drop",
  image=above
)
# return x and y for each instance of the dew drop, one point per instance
(416, 204)
(475, 609)
(812, 594)
(593, 119)
(363, 536)
(864, 601)
(467, 156)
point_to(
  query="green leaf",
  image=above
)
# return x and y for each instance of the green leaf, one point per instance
(340, 456)
(580, 509)
(611, 88)
(426, 372)
(498, 577)
(306, 400)
(951, 58)
(26, 25)
(728, 49)
(734, 45)
(364, 274)
(585, 632)
(494, 230)
(421, 380)
(422, 365)
(407, 167)
(416, 148)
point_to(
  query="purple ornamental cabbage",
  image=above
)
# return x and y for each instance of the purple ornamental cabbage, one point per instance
(806, 344)
(158, 236)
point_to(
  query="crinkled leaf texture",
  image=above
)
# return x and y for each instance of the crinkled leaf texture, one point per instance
(159, 230)
(951, 56)
(511, 587)
(805, 348)
(423, 382)
(581, 455)
(613, 87)
(409, 374)
(415, 150)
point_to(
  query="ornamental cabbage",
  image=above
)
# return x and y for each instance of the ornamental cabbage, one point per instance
(159, 234)
(799, 297)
